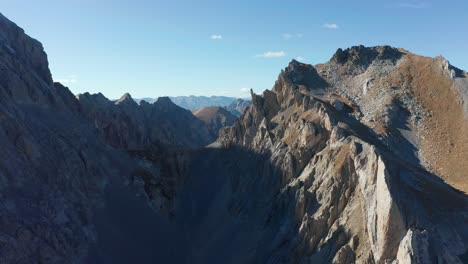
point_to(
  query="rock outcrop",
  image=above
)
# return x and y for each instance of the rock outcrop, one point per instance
(215, 118)
(127, 125)
(353, 191)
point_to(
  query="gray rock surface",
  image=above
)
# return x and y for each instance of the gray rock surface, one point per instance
(62, 158)
(53, 165)
(130, 126)
(352, 197)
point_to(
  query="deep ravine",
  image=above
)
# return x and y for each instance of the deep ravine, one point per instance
(335, 164)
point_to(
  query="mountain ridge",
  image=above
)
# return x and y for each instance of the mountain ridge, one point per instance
(329, 166)
(310, 129)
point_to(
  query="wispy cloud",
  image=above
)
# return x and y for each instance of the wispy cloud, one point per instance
(330, 26)
(301, 59)
(68, 80)
(288, 36)
(418, 5)
(271, 54)
(216, 37)
(245, 90)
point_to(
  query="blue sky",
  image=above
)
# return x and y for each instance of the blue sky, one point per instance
(155, 48)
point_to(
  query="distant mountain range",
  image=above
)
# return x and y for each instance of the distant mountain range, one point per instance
(234, 105)
(193, 102)
(237, 107)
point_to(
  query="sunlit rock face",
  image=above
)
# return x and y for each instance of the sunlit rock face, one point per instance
(338, 163)
(215, 118)
(350, 147)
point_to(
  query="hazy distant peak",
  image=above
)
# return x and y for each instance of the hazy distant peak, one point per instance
(126, 99)
(164, 100)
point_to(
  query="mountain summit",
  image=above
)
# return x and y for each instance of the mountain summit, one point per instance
(358, 142)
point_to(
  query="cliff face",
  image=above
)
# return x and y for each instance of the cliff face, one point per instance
(347, 140)
(416, 105)
(52, 166)
(62, 158)
(336, 164)
(127, 125)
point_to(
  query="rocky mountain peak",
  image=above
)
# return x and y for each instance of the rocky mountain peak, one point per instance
(164, 103)
(215, 118)
(294, 63)
(364, 56)
(164, 100)
(352, 127)
(95, 100)
(126, 100)
(298, 77)
(448, 69)
(302, 74)
(16, 45)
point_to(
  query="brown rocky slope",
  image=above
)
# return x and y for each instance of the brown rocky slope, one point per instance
(215, 118)
(348, 142)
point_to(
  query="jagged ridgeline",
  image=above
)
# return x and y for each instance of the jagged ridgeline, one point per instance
(358, 160)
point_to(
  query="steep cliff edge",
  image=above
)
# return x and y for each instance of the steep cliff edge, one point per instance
(64, 162)
(346, 143)
(52, 164)
(415, 104)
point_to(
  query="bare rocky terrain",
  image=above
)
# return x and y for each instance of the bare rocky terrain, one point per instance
(361, 159)
(350, 154)
(215, 118)
(238, 107)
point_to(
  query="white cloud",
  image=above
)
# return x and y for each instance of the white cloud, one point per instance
(245, 90)
(419, 5)
(330, 26)
(215, 37)
(271, 54)
(301, 59)
(68, 80)
(288, 36)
